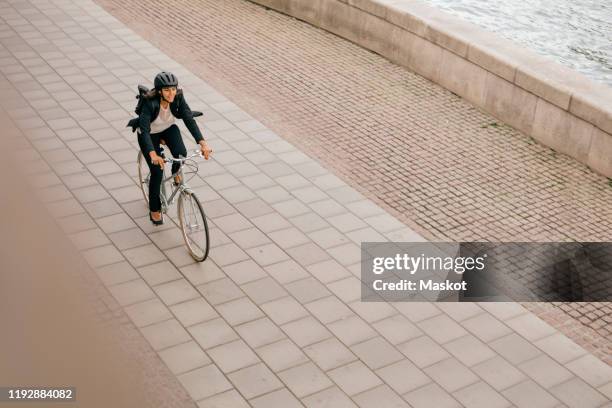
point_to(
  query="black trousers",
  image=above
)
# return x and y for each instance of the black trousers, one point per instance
(174, 141)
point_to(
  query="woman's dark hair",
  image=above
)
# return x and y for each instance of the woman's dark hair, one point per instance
(153, 93)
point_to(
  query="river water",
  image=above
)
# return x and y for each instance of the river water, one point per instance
(575, 33)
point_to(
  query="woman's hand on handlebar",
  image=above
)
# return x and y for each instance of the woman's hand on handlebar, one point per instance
(206, 151)
(156, 160)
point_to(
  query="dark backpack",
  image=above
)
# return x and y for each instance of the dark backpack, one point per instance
(142, 90)
(134, 122)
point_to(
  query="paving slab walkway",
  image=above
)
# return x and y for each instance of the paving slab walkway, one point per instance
(274, 317)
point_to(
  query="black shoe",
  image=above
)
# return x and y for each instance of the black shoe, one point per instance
(160, 222)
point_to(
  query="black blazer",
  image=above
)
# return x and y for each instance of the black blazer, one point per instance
(150, 109)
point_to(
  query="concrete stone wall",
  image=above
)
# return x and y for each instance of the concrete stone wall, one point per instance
(555, 105)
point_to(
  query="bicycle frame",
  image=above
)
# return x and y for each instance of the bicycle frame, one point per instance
(166, 201)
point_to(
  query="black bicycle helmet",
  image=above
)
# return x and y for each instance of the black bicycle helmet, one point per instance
(165, 79)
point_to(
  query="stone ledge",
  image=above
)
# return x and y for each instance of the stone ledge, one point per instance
(514, 84)
(540, 76)
(588, 106)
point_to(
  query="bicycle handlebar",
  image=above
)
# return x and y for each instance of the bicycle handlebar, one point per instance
(196, 152)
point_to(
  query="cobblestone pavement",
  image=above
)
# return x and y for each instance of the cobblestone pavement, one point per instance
(431, 159)
(274, 317)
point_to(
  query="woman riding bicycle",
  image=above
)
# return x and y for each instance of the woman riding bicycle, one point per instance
(157, 125)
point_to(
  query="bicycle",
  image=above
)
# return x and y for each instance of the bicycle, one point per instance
(190, 212)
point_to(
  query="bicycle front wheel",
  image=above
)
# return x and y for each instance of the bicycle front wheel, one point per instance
(194, 226)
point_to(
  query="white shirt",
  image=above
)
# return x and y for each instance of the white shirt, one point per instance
(163, 121)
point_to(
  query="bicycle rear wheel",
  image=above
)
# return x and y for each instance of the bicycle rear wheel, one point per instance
(144, 175)
(193, 225)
